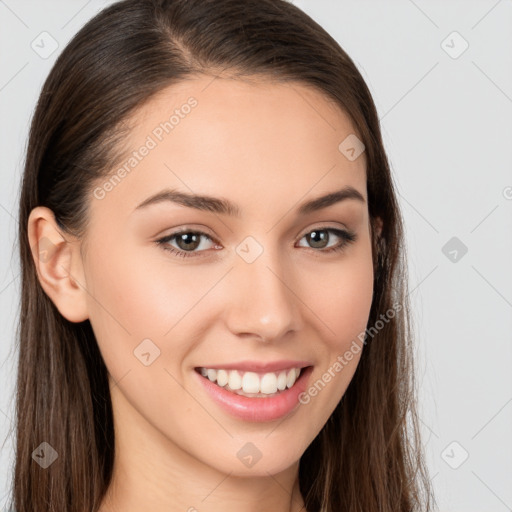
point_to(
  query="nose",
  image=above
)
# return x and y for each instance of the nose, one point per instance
(263, 302)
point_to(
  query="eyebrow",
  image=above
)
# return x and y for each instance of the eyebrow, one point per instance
(226, 207)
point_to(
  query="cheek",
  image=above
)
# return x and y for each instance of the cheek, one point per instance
(340, 295)
(342, 307)
(125, 306)
(138, 293)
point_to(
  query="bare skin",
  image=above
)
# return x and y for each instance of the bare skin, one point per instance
(268, 148)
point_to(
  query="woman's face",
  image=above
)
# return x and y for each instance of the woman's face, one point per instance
(259, 290)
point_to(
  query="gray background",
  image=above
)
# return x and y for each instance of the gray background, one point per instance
(447, 121)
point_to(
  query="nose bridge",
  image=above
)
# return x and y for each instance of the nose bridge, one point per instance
(263, 303)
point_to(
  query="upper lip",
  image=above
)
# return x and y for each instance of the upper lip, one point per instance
(259, 366)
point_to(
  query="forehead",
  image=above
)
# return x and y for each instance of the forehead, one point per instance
(256, 142)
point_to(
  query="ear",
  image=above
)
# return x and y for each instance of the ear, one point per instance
(59, 264)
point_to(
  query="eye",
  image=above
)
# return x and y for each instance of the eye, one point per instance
(188, 241)
(319, 237)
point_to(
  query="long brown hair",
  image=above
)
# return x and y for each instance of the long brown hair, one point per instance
(368, 457)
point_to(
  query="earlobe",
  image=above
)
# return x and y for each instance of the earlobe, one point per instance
(58, 264)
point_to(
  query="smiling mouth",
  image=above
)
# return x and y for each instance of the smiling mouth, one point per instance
(253, 384)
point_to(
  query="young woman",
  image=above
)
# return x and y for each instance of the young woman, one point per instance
(214, 299)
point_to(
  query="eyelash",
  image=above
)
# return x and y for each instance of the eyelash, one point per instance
(347, 237)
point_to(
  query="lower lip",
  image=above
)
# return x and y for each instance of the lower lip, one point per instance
(258, 408)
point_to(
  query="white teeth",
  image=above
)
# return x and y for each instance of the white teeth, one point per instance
(268, 383)
(251, 382)
(290, 378)
(222, 378)
(281, 381)
(235, 380)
